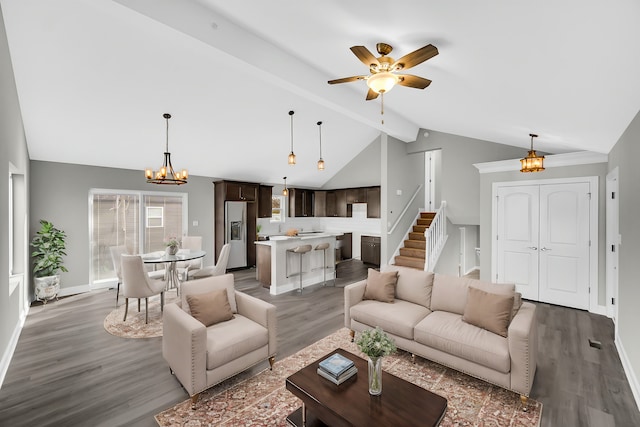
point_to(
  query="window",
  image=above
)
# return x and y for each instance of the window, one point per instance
(154, 216)
(278, 211)
(141, 221)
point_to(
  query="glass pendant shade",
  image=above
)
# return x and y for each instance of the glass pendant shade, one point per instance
(292, 158)
(285, 191)
(382, 82)
(320, 164)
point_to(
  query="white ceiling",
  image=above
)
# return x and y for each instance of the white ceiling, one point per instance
(94, 78)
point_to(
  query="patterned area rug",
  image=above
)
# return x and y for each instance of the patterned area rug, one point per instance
(263, 400)
(135, 327)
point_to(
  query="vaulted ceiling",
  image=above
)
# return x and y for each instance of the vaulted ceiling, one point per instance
(94, 78)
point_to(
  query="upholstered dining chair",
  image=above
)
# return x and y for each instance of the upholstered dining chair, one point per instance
(137, 284)
(218, 269)
(193, 243)
(116, 253)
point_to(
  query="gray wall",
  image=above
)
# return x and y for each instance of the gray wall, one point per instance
(624, 155)
(362, 171)
(457, 178)
(13, 150)
(60, 194)
(486, 182)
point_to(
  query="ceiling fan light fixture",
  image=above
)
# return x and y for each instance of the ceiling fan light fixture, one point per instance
(382, 82)
(532, 162)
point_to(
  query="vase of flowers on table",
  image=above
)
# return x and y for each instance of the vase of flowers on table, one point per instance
(172, 246)
(375, 344)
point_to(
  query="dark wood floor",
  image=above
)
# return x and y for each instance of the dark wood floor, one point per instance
(67, 371)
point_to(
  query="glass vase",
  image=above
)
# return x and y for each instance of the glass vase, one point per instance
(375, 376)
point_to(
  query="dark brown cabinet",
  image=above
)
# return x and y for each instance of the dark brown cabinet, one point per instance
(344, 244)
(373, 202)
(300, 202)
(264, 201)
(240, 191)
(370, 250)
(356, 195)
(320, 203)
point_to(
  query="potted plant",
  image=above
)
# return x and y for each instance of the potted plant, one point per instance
(172, 246)
(49, 248)
(375, 344)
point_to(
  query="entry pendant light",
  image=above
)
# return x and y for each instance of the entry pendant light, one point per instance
(532, 162)
(292, 157)
(166, 175)
(320, 162)
(285, 191)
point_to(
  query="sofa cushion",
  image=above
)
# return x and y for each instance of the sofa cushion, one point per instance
(447, 332)
(381, 286)
(413, 285)
(229, 340)
(208, 284)
(488, 311)
(398, 318)
(211, 307)
(450, 292)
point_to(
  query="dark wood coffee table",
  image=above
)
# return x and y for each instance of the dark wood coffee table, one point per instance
(350, 404)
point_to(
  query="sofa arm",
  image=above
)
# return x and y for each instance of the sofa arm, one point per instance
(523, 347)
(262, 313)
(353, 294)
(184, 347)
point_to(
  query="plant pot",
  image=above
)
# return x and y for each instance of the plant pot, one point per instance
(47, 288)
(375, 376)
(171, 250)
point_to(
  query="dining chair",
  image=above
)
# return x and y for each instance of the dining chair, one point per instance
(218, 269)
(116, 253)
(193, 243)
(137, 284)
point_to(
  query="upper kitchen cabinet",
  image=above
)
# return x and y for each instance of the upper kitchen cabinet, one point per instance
(264, 201)
(336, 203)
(373, 202)
(300, 202)
(240, 191)
(320, 203)
(356, 195)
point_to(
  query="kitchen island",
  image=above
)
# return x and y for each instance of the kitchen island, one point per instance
(279, 270)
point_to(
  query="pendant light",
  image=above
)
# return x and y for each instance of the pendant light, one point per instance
(292, 157)
(285, 192)
(320, 162)
(166, 175)
(532, 162)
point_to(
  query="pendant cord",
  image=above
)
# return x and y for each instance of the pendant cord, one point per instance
(382, 107)
(167, 146)
(291, 115)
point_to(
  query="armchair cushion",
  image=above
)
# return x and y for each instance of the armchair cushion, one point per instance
(208, 284)
(228, 341)
(210, 308)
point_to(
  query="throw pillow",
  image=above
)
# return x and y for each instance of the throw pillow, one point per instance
(488, 311)
(381, 286)
(210, 308)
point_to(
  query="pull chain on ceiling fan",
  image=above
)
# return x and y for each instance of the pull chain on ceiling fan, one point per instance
(384, 69)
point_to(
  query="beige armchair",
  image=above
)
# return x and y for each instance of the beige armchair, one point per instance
(201, 357)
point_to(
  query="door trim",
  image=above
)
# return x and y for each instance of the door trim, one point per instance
(612, 210)
(594, 306)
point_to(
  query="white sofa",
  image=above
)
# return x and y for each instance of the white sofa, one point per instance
(200, 356)
(425, 319)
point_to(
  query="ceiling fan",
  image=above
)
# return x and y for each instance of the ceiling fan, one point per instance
(384, 69)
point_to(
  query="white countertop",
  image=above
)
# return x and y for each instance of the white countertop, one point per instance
(302, 236)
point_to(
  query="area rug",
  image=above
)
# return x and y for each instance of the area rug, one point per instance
(135, 327)
(263, 400)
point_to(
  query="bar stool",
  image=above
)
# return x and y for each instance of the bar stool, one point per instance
(323, 247)
(300, 250)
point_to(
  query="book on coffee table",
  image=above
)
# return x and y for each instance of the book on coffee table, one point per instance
(342, 378)
(336, 365)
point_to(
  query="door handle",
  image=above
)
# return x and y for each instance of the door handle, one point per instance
(533, 248)
(544, 249)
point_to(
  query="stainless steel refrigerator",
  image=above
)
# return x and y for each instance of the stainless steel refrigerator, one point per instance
(236, 233)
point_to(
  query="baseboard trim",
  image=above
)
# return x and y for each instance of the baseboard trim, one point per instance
(11, 348)
(600, 309)
(73, 290)
(472, 269)
(628, 370)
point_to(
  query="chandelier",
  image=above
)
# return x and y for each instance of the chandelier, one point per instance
(532, 162)
(166, 175)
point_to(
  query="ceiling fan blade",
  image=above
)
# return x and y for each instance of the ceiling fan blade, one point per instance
(346, 80)
(372, 94)
(365, 56)
(416, 57)
(413, 81)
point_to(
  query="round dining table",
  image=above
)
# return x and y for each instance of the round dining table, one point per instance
(171, 276)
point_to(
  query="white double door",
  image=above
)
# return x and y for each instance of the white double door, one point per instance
(543, 241)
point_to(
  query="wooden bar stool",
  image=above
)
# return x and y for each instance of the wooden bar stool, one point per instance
(323, 247)
(300, 251)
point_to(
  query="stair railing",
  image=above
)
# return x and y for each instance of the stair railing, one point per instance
(436, 236)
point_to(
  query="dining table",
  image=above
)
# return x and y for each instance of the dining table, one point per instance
(171, 275)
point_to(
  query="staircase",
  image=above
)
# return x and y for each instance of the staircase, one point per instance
(413, 254)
